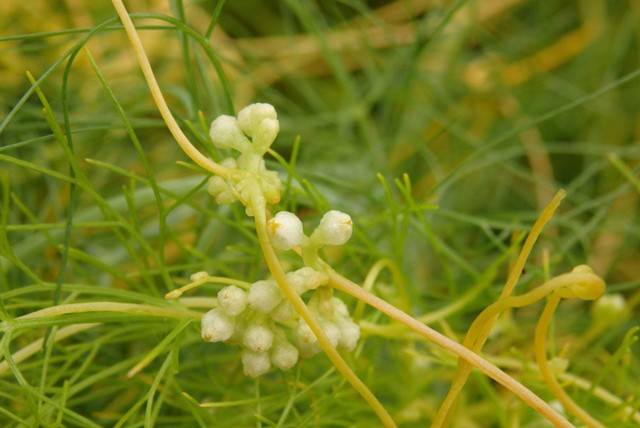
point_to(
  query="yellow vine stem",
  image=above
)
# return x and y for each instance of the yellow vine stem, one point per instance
(159, 100)
(258, 207)
(130, 308)
(341, 283)
(540, 348)
(475, 340)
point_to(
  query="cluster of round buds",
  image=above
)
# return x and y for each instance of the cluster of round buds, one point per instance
(266, 326)
(337, 325)
(285, 230)
(251, 134)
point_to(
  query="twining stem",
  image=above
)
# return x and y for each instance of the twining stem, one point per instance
(174, 294)
(159, 100)
(479, 337)
(341, 283)
(540, 348)
(130, 308)
(299, 306)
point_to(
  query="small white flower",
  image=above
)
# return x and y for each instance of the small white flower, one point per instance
(264, 296)
(283, 313)
(258, 338)
(335, 228)
(255, 364)
(216, 326)
(305, 334)
(226, 134)
(306, 278)
(285, 229)
(284, 355)
(250, 117)
(349, 334)
(232, 300)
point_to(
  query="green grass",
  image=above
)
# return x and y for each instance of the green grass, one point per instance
(428, 130)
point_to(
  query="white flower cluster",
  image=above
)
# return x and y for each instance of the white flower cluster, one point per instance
(251, 134)
(286, 231)
(268, 328)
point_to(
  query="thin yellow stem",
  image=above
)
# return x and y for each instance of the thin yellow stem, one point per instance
(480, 337)
(301, 309)
(174, 294)
(540, 348)
(159, 100)
(371, 278)
(129, 308)
(343, 284)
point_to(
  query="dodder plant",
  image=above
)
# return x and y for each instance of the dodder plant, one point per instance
(275, 320)
(247, 180)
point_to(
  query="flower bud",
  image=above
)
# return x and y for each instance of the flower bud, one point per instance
(339, 307)
(285, 230)
(308, 350)
(335, 228)
(216, 326)
(216, 185)
(226, 134)
(332, 332)
(265, 134)
(258, 338)
(609, 307)
(283, 313)
(250, 117)
(349, 334)
(232, 300)
(284, 355)
(255, 364)
(305, 334)
(306, 278)
(264, 296)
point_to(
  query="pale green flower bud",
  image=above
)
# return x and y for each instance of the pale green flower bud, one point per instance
(335, 229)
(284, 355)
(265, 134)
(349, 334)
(250, 117)
(258, 338)
(339, 308)
(255, 364)
(305, 334)
(306, 279)
(264, 296)
(232, 300)
(609, 307)
(285, 230)
(332, 332)
(226, 134)
(283, 313)
(216, 326)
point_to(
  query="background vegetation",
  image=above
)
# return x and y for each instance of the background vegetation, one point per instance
(442, 127)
